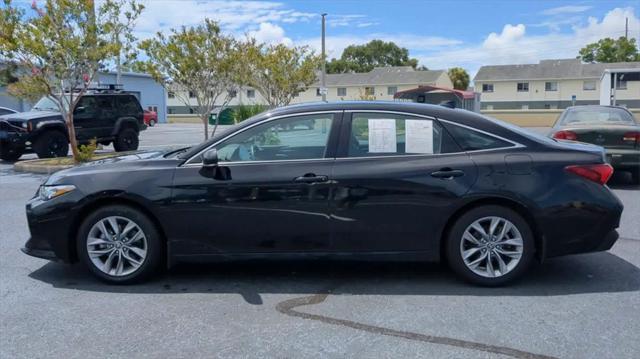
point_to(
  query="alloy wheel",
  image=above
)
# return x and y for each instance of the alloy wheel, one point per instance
(491, 247)
(117, 246)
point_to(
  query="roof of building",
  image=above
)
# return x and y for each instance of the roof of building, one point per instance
(396, 75)
(428, 88)
(548, 69)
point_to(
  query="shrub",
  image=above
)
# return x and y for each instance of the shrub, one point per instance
(86, 152)
(243, 112)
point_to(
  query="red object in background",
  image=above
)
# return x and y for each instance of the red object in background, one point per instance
(150, 118)
(599, 173)
(565, 135)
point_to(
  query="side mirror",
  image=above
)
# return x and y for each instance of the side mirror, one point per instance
(210, 158)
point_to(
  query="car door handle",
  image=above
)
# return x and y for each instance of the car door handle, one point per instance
(447, 173)
(310, 178)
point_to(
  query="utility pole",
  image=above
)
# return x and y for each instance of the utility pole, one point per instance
(323, 81)
(626, 28)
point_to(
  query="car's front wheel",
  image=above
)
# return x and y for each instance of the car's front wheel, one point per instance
(9, 154)
(52, 143)
(490, 245)
(120, 244)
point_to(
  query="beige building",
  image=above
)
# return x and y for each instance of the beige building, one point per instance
(380, 83)
(535, 94)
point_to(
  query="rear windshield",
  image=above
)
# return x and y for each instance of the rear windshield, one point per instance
(597, 115)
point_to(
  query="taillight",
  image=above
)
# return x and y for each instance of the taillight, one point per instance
(633, 136)
(565, 135)
(599, 173)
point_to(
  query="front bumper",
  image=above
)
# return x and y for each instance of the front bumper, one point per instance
(52, 226)
(17, 140)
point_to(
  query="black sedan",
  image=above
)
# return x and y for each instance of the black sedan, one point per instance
(360, 180)
(613, 128)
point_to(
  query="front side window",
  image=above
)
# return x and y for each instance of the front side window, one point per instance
(523, 87)
(291, 138)
(374, 134)
(551, 86)
(86, 105)
(487, 87)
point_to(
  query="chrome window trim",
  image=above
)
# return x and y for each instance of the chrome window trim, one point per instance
(188, 163)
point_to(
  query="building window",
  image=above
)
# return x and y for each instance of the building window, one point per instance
(550, 107)
(487, 87)
(192, 94)
(190, 110)
(621, 84)
(233, 93)
(551, 86)
(342, 91)
(318, 93)
(370, 91)
(525, 107)
(489, 107)
(589, 85)
(171, 94)
(170, 111)
(391, 90)
(523, 87)
(251, 93)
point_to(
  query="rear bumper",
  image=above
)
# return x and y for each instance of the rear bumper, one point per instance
(623, 159)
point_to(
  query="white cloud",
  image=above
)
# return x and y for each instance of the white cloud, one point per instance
(271, 34)
(569, 9)
(514, 46)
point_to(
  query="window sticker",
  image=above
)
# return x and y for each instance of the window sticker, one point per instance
(418, 136)
(382, 136)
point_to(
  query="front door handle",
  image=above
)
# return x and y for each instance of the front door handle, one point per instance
(447, 173)
(310, 178)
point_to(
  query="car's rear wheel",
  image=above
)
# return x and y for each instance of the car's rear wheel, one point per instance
(490, 245)
(120, 244)
(9, 154)
(152, 123)
(126, 140)
(51, 144)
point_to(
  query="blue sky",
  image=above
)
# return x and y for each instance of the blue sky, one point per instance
(441, 34)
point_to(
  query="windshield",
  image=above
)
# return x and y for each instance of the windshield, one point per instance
(597, 115)
(46, 104)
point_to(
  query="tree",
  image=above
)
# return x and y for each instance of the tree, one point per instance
(376, 53)
(610, 50)
(60, 49)
(119, 25)
(197, 62)
(459, 77)
(279, 73)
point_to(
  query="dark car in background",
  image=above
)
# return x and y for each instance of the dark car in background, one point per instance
(101, 114)
(367, 180)
(6, 111)
(614, 128)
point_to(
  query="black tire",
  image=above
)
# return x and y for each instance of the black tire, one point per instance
(9, 154)
(151, 264)
(126, 140)
(453, 248)
(635, 176)
(52, 143)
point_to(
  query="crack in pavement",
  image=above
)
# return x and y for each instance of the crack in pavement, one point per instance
(286, 307)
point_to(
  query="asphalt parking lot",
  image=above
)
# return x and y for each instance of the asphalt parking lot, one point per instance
(585, 306)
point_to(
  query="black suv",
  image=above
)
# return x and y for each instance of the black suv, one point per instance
(106, 115)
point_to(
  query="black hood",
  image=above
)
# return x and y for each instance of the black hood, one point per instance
(32, 115)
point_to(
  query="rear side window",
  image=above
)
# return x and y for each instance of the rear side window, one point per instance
(471, 140)
(377, 134)
(128, 105)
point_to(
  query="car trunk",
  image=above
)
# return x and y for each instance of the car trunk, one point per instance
(611, 136)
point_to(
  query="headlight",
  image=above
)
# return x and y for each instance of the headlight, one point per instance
(48, 192)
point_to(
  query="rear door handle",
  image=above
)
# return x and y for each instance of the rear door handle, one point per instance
(447, 173)
(310, 178)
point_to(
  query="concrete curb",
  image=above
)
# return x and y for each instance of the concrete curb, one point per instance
(34, 166)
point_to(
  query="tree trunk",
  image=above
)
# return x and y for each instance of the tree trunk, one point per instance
(71, 130)
(205, 121)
